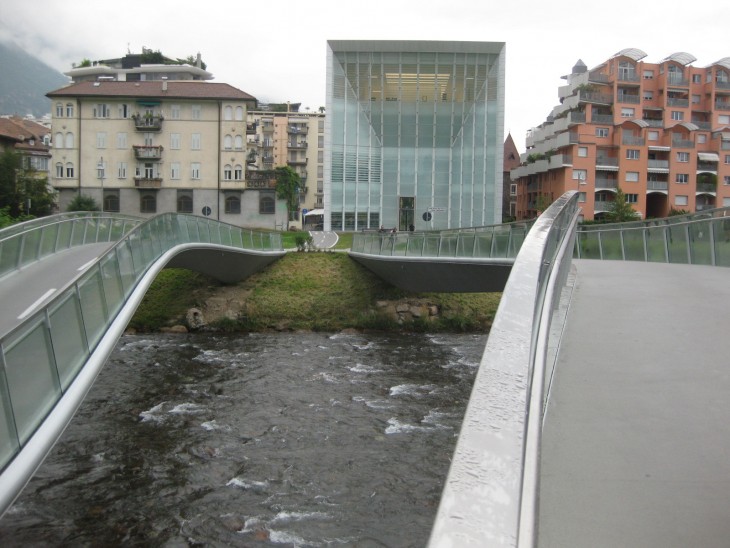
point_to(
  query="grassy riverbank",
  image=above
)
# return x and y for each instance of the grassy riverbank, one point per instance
(311, 291)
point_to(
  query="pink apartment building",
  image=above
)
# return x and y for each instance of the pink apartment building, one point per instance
(658, 131)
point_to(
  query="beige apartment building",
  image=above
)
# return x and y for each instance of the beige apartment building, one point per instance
(658, 131)
(153, 146)
(294, 139)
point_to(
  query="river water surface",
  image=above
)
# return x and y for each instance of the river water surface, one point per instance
(294, 439)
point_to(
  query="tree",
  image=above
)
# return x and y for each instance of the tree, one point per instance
(620, 210)
(82, 202)
(288, 184)
(22, 192)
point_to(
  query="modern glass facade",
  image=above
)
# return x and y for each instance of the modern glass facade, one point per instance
(413, 134)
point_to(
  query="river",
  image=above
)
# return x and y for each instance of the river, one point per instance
(284, 439)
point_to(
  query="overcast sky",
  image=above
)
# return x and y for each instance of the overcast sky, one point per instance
(277, 51)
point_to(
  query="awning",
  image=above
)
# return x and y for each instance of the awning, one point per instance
(708, 156)
(314, 212)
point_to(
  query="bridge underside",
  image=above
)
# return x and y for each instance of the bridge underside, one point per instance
(439, 275)
(225, 266)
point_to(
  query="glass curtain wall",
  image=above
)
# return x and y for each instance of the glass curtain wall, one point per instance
(419, 124)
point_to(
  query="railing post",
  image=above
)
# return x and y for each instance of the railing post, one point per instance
(713, 259)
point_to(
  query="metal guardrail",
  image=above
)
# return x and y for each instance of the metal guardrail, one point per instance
(496, 241)
(42, 356)
(697, 238)
(490, 496)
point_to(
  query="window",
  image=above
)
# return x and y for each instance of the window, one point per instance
(227, 142)
(267, 205)
(148, 203)
(681, 200)
(631, 198)
(632, 154)
(184, 201)
(320, 141)
(69, 170)
(724, 119)
(627, 112)
(124, 110)
(652, 135)
(239, 114)
(677, 115)
(701, 138)
(228, 113)
(195, 112)
(601, 132)
(175, 112)
(227, 172)
(726, 180)
(238, 172)
(69, 110)
(582, 197)
(69, 140)
(195, 170)
(233, 205)
(726, 202)
(175, 141)
(696, 99)
(582, 152)
(59, 110)
(101, 111)
(632, 176)
(648, 75)
(513, 189)
(320, 126)
(580, 175)
(681, 178)
(696, 78)
(59, 170)
(175, 170)
(648, 95)
(195, 141)
(58, 140)
(238, 142)
(101, 139)
(122, 170)
(121, 140)
(727, 159)
(111, 200)
(683, 156)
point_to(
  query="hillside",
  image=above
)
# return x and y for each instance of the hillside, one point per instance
(309, 291)
(25, 82)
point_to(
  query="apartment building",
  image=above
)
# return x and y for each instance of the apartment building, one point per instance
(414, 134)
(289, 138)
(658, 131)
(148, 147)
(29, 139)
(140, 67)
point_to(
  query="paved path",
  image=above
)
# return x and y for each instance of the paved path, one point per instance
(27, 290)
(636, 444)
(324, 240)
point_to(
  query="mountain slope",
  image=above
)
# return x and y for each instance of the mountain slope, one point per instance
(25, 81)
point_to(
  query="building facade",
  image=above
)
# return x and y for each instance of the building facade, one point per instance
(413, 134)
(29, 139)
(140, 67)
(658, 131)
(509, 189)
(149, 147)
(294, 139)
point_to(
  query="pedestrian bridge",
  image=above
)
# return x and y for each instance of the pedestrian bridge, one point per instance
(599, 413)
(69, 284)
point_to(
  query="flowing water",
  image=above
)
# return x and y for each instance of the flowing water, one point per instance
(295, 439)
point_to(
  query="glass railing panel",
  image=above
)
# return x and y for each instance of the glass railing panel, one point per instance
(204, 231)
(400, 244)
(9, 444)
(677, 244)
(9, 252)
(32, 377)
(431, 244)
(700, 243)
(656, 246)
(589, 245)
(484, 240)
(93, 307)
(64, 235)
(611, 245)
(465, 244)
(415, 245)
(448, 244)
(113, 287)
(68, 337)
(135, 248)
(722, 241)
(78, 232)
(31, 243)
(501, 244)
(48, 240)
(634, 244)
(126, 267)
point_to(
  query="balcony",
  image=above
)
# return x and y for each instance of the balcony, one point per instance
(707, 167)
(603, 183)
(602, 206)
(706, 188)
(628, 98)
(722, 85)
(633, 140)
(297, 161)
(267, 127)
(676, 79)
(722, 105)
(677, 102)
(251, 128)
(657, 185)
(148, 182)
(628, 76)
(602, 118)
(302, 145)
(598, 78)
(594, 97)
(662, 165)
(148, 122)
(682, 143)
(267, 159)
(297, 129)
(147, 152)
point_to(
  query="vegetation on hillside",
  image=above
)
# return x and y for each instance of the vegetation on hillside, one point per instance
(311, 291)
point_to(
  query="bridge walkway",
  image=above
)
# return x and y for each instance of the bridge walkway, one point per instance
(636, 441)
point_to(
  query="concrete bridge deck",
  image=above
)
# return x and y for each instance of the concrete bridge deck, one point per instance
(636, 442)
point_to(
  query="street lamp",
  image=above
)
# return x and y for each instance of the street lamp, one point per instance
(100, 174)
